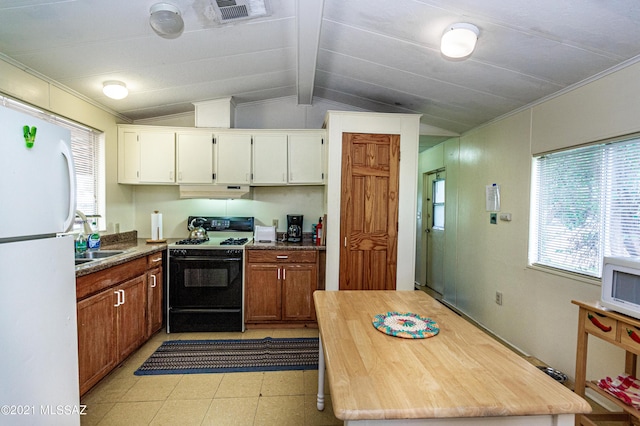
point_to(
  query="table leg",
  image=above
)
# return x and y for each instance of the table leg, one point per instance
(320, 376)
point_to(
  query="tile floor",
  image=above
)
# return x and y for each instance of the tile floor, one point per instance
(267, 398)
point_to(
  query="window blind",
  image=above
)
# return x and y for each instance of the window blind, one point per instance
(586, 206)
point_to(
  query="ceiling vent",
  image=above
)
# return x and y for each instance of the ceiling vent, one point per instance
(236, 10)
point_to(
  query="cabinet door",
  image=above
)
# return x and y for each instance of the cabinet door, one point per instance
(154, 301)
(298, 284)
(233, 159)
(129, 157)
(306, 159)
(269, 160)
(263, 301)
(131, 315)
(157, 157)
(194, 158)
(96, 338)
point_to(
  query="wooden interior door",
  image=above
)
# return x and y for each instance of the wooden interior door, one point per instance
(369, 211)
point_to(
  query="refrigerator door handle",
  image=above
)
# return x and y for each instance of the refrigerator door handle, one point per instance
(66, 153)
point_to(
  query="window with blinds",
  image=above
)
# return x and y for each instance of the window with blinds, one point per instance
(586, 205)
(87, 147)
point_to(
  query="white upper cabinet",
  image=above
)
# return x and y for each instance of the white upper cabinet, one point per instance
(194, 160)
(269, 159)
(294, 158)
(306, 158)
(233, 158)
(146, 156)
(128, 157)
(157, 157)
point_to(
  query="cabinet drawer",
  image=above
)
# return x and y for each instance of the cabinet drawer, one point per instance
(601, 326)
(98, 281)
(629, 337)
(154, 260)
(281, 256)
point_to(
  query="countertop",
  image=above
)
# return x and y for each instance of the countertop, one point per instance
(133, 249)
(460, 372)
(280, 245)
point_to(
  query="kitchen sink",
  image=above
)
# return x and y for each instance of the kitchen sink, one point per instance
(82, 261)
(98, 254)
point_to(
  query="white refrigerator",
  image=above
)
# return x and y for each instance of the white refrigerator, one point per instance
(38, 327)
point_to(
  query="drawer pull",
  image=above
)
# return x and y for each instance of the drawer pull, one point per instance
(282, 257)
(157, 259)
(601, 326)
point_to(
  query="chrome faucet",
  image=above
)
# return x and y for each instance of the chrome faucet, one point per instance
(85, 223)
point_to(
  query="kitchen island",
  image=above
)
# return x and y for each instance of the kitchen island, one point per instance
(460, 376)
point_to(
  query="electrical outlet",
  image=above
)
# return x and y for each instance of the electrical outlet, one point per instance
(274, 222)
(499, 297)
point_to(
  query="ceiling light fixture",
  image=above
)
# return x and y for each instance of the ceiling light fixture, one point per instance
(459, 40)
(115, 89)
(166, 20)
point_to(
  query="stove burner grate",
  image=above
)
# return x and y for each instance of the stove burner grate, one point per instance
(190, 242)
(234, 241)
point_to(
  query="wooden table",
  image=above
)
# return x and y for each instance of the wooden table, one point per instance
(461, 376)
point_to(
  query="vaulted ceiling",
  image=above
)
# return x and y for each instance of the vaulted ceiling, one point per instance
(371, 54)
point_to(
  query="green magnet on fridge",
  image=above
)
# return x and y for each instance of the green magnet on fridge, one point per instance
(29, 135)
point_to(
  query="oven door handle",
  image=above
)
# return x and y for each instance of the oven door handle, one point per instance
(219, 259)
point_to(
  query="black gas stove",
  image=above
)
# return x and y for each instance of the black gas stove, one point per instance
(206, 283)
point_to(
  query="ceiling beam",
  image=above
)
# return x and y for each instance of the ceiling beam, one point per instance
(309, 21)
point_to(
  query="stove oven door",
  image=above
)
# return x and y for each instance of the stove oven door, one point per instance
(205, 281)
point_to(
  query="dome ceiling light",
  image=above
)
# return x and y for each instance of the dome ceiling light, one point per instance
(166, 20)
(115, 89)
(459, 40)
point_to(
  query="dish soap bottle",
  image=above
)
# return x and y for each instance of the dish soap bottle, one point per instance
(93, 242)
(81, 243)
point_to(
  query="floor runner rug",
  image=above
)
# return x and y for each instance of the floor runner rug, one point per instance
(226, 356)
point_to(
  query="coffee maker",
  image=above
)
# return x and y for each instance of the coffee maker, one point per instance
(294, 228)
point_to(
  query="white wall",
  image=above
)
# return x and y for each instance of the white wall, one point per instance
(537, 315)
(268, 203)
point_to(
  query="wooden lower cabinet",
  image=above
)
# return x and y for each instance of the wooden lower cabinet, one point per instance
(131, 316)
(117, 309)
(97, 346)
(279, 286)
(154, 293)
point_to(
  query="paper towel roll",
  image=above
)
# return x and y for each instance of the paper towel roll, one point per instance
(156, 226)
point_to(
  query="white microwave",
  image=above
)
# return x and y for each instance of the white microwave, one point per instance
(621, 285)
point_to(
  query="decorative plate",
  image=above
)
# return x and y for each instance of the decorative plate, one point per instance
(405, 325)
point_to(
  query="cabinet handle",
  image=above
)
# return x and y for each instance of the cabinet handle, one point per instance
(282, 257)
(284, 274)
(157, 259)
(154, 281)
(120, 300)
(278, 273)
(345, 241)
